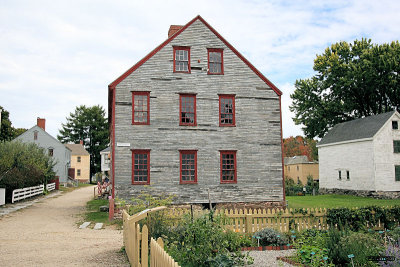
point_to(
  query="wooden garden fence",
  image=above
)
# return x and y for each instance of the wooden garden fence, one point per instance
(137, 244)
(252, 220)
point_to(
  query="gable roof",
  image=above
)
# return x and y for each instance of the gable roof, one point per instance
(356, 129)
(297, 160)
(39, 129)
(77, 149)
(152, 53)
(105, 150)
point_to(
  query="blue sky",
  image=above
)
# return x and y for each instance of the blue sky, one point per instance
(56, 55)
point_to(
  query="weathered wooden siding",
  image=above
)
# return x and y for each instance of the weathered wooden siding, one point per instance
(256, 137)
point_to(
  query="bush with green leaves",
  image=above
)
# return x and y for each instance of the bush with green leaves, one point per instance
(356, 219)
(23, 165)
(204, 241)
(271, 237)
(160, 222)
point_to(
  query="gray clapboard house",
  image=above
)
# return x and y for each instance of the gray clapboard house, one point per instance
(61, 154)
(362, 156)
(192, 117)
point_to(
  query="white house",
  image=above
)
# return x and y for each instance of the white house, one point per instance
(61, 154)
(105, 162)
(362, 155)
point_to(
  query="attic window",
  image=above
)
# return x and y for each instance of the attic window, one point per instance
(78, 159)
(182, 59)
(51, 152)
(35, 135)
(215, 61)
(395, 125)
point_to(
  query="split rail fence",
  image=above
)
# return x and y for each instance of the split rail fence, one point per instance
(22, 193)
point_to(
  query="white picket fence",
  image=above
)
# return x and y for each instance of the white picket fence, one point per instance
(51, 187)
(22, 193)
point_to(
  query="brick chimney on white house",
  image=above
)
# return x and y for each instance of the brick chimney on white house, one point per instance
(41, 123)
(173, 29)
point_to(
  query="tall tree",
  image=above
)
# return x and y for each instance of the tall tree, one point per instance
(352, 81)
(300, 146)
(7, 131)
(90, 125)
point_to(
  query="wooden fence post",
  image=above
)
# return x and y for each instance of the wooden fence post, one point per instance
(145, 246)
(248, 224)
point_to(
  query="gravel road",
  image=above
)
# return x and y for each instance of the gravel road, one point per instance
(47, 234)
(268, 258)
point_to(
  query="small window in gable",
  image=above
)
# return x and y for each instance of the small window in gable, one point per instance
(141, 108)
(78, 159)
(51, 152)
(226, 110)
(35, 135)
(182, 59)
(395, 125)
(215, 61)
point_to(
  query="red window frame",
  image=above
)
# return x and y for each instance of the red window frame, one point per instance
(181, 154)
(140, 93)
(182, 105)
(178, 48)
(224, 165)
(221, 100)
(140, 152)
(215, 50)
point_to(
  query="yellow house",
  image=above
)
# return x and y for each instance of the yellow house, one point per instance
(299, 168)
(80, 161)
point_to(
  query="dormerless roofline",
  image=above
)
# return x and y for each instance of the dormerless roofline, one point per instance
(152, 53)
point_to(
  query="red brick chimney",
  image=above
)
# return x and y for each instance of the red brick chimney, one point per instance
(173, 29)
(41, 123)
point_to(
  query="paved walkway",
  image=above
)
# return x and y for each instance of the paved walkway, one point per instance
(46, 233)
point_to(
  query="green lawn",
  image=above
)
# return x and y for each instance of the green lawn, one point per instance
(93, 213)
(335, 201)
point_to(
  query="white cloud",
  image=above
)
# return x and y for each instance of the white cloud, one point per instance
(59, 54)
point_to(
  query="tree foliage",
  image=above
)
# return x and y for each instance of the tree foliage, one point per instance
(90, 125)
(353, 80)
(300, 146)
(7, 131)
(23, 165)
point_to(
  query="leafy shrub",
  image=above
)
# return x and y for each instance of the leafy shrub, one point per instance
(23, 165)
(356, 219)
(204, 241)
(361, 245)
(292, 188)
(160, 222)
(313, 256)
(271, 237)
(394, 235)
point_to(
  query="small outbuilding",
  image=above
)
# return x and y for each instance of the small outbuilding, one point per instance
(362, 156)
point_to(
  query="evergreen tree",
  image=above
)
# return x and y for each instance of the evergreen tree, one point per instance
(90, 125)
(7, 132)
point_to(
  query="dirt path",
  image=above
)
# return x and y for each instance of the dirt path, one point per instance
(46, 234)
